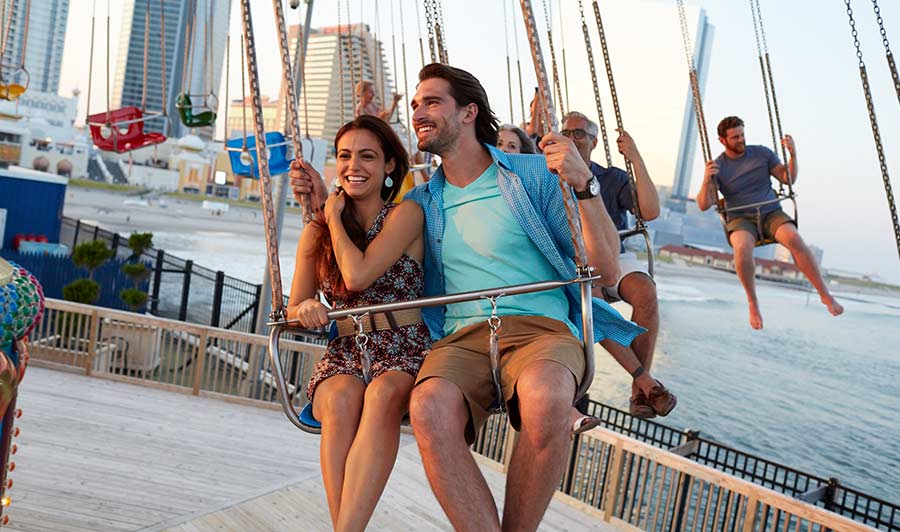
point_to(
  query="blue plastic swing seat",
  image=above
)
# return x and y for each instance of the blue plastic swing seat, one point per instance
(306, 417)
(278, 161)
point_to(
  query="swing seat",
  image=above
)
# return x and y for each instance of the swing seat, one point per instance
(189, 118)
(308, 420)
(126, 130)
(278, 157)
(12, 91)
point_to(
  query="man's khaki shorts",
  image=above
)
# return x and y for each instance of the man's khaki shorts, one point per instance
(463, 358)
(770, 223)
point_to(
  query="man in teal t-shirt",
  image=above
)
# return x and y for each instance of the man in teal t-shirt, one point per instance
(742, 174)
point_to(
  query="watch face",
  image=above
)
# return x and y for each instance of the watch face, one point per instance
(594, 187)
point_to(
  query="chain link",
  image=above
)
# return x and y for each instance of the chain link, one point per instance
(429, 23)
(892, 65)
(556, 84)
(597, 101)
(639, 220)
(265, 184)
(441, 33)
(762, 70)
(546, 102)
(695, 84)
(870, 105)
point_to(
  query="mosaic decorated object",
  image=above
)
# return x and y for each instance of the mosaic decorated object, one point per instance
(21, 303)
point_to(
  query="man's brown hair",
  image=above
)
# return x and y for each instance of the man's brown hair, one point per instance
(727, 123)
(465, 89)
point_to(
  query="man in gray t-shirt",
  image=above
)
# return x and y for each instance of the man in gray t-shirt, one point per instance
(743, 175)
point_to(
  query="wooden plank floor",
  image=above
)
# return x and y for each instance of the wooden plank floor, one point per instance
(99, 455)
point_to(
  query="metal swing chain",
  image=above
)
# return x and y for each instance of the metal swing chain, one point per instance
(557, 86)
(870, 105)
(762, 70)
(887, 48)
(784, 152)
(519, 69)
(639, 219)
(440, 33)
(362, 341)
(278, 311)
(429, 24)
(341, 62)
(494, 323)
(406, 114)
(546, 101)
(695, 84)
(596, 85)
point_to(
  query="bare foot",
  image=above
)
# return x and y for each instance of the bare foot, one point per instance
(755, 317)
(834, 307)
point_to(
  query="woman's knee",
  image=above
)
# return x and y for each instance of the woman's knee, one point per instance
(389, 394)
(339, 399)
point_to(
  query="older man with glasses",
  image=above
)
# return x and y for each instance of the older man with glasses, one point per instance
(649, 397)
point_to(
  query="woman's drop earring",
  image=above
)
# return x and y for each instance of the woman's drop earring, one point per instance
(389, 182)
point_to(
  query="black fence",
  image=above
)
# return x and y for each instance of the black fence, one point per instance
(180, 289)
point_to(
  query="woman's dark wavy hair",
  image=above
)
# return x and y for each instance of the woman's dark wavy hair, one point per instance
(465, 89)
(326, 266)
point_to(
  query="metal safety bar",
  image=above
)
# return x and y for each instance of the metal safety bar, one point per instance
(279, 327)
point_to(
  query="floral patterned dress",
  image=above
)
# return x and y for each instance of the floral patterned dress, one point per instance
(401, 349)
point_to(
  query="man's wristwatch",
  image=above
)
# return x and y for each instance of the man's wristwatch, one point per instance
(592, 190)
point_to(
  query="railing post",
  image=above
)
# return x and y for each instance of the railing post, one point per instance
(611, 499)
(256, 308)
(217, 299)
(92, 342)
(115, 245)
(199, 365)
(96, 232)
(509, 444)
(831, 493)
(569, 477)
(157, 277)
(690, 435)
(77, 230)
(750, 514)
(185, 290)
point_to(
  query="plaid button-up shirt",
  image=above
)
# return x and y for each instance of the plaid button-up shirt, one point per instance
(534, 197)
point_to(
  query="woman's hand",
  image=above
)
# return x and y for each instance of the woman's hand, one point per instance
(312, 314)
(334, 206)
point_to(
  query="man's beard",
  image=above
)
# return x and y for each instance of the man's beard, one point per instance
(439, 143)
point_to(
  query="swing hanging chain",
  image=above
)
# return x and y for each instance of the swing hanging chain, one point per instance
(629, 167)
(146, 57)
(265, 185)
(695, 85)
(429, 24)
(405, 78)
(440, 33)
(784, 153)
(557, 86)
(291, 96)
(546, 101)
(762, 69)
(590, 56)
(887, 48)
(870, 105)
(341, 62)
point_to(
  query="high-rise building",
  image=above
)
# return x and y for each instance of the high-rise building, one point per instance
(332, 69)
(45, 39)
(130, 81)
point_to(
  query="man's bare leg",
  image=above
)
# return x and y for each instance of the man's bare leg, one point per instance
(439, 416)
(337, 405)
(788, 236)
(638, 290)
(544, 390)
(743, 243)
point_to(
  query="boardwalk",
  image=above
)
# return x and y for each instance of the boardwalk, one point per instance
(100, 455)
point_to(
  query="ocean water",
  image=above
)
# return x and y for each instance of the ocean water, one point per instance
(811, 391)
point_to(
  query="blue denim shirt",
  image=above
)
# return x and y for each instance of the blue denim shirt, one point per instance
(535, 199)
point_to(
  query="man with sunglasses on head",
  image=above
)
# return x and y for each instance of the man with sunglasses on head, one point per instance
(649, 397)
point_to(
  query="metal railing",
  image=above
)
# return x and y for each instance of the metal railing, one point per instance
(207, 359)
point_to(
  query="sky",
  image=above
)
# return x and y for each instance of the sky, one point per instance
(842, 205)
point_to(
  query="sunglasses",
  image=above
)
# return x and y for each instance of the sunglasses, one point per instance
(576, 134)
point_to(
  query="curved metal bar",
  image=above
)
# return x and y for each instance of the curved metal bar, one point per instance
(627, 233)
(283, 396)
(434, 301)
(587, 333)
(778, 199)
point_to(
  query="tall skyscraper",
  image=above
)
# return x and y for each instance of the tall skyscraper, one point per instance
(129, 79)
(46, 37)
(331, 71)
